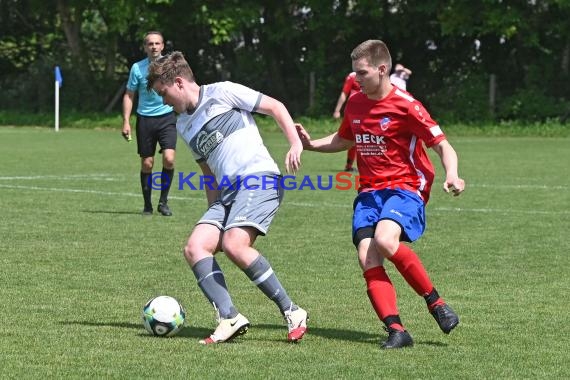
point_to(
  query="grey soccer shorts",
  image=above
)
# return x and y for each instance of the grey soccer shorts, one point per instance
(251, 206)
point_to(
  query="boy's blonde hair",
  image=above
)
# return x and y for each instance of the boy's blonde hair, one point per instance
(166, 68)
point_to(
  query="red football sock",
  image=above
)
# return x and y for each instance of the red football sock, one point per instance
(382, 294)
(412, 269)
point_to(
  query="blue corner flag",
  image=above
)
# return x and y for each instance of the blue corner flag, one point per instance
(58, 77)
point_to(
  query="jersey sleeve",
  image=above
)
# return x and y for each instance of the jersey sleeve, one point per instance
(344, 130)
(423, 125)
(242, 97)
(133, 82)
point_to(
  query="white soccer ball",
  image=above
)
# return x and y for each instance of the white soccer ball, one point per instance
(163, 316)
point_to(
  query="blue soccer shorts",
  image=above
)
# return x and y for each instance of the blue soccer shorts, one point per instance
(402, 206)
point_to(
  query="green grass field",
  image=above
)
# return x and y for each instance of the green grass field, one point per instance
(78, 262)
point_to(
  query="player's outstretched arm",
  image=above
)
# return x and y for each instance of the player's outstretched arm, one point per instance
(449, 161)
(329, 144)
(276, 109)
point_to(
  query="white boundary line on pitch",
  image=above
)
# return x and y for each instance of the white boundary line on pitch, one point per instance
(543, 187)
(299, 204)
(83, 191)
(504, 211)
(96, 177)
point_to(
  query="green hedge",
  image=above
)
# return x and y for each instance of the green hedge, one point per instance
(318, 126)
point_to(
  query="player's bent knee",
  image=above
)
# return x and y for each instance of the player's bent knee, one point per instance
(232, 249)
(387, 245)
(147, 164)
(194, 251)
(188, 255)
(168, 163)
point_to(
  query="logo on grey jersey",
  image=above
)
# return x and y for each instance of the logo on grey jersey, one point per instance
(207, 142)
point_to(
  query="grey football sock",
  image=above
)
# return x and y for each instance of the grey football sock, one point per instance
(211, 280)
(262, 275)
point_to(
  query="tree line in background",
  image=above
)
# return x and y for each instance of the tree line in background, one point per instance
(472, 61)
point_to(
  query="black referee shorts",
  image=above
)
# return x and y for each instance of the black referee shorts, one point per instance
(155, 129)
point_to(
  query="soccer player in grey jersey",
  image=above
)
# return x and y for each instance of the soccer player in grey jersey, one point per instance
(215, 122)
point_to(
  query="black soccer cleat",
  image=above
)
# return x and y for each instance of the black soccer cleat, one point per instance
(397, 339)
(445, 317)
(147, 210)
(164, 209)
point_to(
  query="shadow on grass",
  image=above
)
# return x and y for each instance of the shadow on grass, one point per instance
(201, 332)
(187, 331)
(348, 335)
(330, 333)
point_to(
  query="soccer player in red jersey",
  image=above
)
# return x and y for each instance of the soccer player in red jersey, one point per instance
(349, 87)
(389, 129)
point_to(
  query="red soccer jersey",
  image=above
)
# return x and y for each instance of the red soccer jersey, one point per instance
(350, 85)
(389, 135)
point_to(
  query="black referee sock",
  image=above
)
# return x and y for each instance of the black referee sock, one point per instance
(166, 177)
(146, 190)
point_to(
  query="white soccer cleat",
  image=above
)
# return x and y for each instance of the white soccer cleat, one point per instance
(227, 330)
(297, 324)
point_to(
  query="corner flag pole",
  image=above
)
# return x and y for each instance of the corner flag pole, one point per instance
(58, 83)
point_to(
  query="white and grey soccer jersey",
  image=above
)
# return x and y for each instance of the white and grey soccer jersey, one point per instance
(221, 132)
